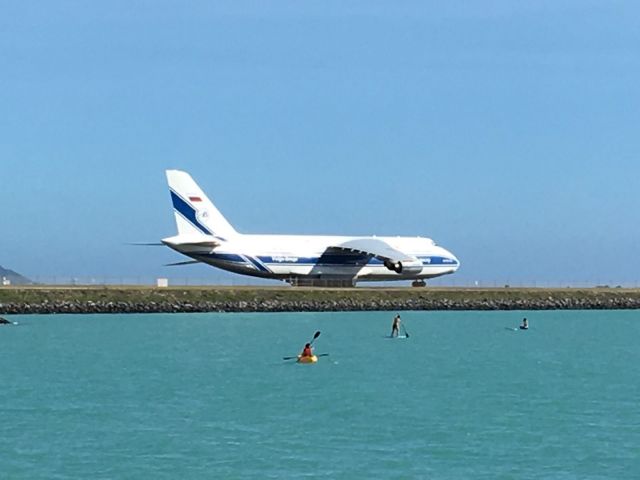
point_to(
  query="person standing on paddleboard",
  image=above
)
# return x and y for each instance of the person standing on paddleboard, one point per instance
(395, 328)
(525, 324)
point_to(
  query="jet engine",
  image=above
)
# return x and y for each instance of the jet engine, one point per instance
(394, 267)
(406, 267)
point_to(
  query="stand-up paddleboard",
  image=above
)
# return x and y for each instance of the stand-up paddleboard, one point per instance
(399, 337)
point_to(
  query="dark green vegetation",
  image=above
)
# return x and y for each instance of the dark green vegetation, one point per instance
(41, 299)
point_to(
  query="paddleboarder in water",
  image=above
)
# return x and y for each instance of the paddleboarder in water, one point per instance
(395, 328)
(525, 324)
(307, 351)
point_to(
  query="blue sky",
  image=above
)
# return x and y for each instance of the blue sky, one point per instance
(507, 131)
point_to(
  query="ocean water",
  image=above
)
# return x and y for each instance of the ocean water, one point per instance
(195, 396)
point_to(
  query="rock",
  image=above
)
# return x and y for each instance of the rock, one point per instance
(327, 303)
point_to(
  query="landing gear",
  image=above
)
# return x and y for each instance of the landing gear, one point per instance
(418, 283)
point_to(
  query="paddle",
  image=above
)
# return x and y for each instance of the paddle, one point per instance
(315, 335)
(319, 355)
(406, 334)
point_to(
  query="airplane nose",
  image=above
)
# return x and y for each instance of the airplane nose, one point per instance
(455, 263)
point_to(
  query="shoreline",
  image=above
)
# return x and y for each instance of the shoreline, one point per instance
(140, 299)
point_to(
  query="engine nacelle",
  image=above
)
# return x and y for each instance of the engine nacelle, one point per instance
(404, 267)
(394, 267)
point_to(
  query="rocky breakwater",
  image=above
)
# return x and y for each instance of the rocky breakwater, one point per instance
(293, 300)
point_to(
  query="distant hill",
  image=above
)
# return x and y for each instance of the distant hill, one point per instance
(14, 277)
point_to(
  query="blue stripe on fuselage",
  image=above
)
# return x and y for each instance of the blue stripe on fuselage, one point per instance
(245, 260)
(347, 260)
(325, 259)
(226, 257)
(436, 260)
(257, 263)
(262, 262)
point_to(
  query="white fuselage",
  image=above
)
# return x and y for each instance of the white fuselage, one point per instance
(206, 236)
(308, 256)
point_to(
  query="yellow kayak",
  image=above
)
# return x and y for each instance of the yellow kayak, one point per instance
(312, 359)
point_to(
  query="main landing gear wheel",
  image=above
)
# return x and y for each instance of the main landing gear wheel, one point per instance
(418, 283)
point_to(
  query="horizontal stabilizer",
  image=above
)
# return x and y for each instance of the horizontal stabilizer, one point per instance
(192, 240)
(188, 262)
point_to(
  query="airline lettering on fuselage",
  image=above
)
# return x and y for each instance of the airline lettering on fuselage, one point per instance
(285, 259)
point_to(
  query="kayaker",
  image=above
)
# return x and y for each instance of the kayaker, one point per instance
(525, 324)
(395, 328)
(307, 351)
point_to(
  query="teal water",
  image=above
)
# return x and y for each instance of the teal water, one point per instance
(208, 396)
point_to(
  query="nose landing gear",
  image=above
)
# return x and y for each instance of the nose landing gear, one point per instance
(419, 283)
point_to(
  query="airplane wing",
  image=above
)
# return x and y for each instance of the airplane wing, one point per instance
(375, 247)
(393, 259)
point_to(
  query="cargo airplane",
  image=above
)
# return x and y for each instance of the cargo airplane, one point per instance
(206, 236)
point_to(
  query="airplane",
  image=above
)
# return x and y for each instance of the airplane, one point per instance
(207, 237)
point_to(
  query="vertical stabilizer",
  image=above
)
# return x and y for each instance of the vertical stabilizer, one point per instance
(195, 214)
